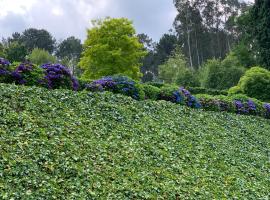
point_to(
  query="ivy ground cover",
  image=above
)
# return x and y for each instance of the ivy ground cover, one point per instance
(62, 144)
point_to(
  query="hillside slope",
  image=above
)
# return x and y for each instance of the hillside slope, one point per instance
(65, 145)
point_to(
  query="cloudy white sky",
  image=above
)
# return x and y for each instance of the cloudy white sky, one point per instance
(64, 18)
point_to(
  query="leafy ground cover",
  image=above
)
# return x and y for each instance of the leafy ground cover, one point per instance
(62, 144)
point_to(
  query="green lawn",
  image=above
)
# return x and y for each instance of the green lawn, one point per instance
(65, 145)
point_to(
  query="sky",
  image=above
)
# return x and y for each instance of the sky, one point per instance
(64, 18)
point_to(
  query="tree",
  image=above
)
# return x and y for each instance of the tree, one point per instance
(260, 24)
(111, 48)
(217, 74)
(40, 56)
(2, 51)
(15, 52)
(176, 70)
(34, 38)
(70, 48)
(165, 48)
(203, 28)
(69, 52)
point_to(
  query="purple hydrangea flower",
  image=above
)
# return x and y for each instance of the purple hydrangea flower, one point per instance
(251, 106)
(4, 62)
(57, 75)
(267, 109)
(240, 107)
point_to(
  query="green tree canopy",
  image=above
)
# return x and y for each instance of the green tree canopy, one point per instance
(260, 24)
(217, 74)
(2, 52)
(69, 48)
(15, 52)
(176, 70)
(41, 56)
(35, 38)
(111, 48)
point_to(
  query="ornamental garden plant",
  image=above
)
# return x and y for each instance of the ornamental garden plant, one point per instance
(57, 76)
(100, 145)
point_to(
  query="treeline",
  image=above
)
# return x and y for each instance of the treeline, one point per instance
(39, 47)
(203, 29)
(211, 44)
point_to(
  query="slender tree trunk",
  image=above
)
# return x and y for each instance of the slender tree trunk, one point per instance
(197, 50)
(188, 39)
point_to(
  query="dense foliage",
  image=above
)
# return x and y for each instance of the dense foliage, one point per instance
(83, 145)
(51, 76)
(118, 84)
(58, 76)
(112, 48)
(176, 71)
(255, 83)
(217, 74)
(41, 56)
(260, 30)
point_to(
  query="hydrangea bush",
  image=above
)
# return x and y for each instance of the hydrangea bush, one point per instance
(58, 76)
(118, 84)
(4, 71)
(27, 74)
(267, 110)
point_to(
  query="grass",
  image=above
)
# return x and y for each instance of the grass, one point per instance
(65, 145)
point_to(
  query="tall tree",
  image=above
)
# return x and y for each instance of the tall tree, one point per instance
(158, 53)
(112, 47)
(70, 48)
(15, 52)
(260, 22)
(202, 28)
(35, 38)
(69, 51)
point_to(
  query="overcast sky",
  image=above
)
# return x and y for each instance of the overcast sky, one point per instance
(65, 18)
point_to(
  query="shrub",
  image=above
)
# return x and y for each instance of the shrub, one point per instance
(58, 76)
(234, 90)
(221, 75)
(267, 108)
(201, 90)
(151, 92)
(187, 77)
(215, 103)
(27, 74)
(156, 84)
(255, 83)
(239, 104)
(118, 84)
(41, 56)
(170, 93)
(190, 100)
(5, 74)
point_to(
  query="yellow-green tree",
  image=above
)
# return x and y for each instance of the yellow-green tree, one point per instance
(112, 47)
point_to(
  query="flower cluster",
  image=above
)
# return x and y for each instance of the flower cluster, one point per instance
(5, 74)
(3, 67)
(245, 108)
(106, 83)
(58, 76)
(116, 84)
(20, 71)
(4, 62)
(267, 108)
(191, 101)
